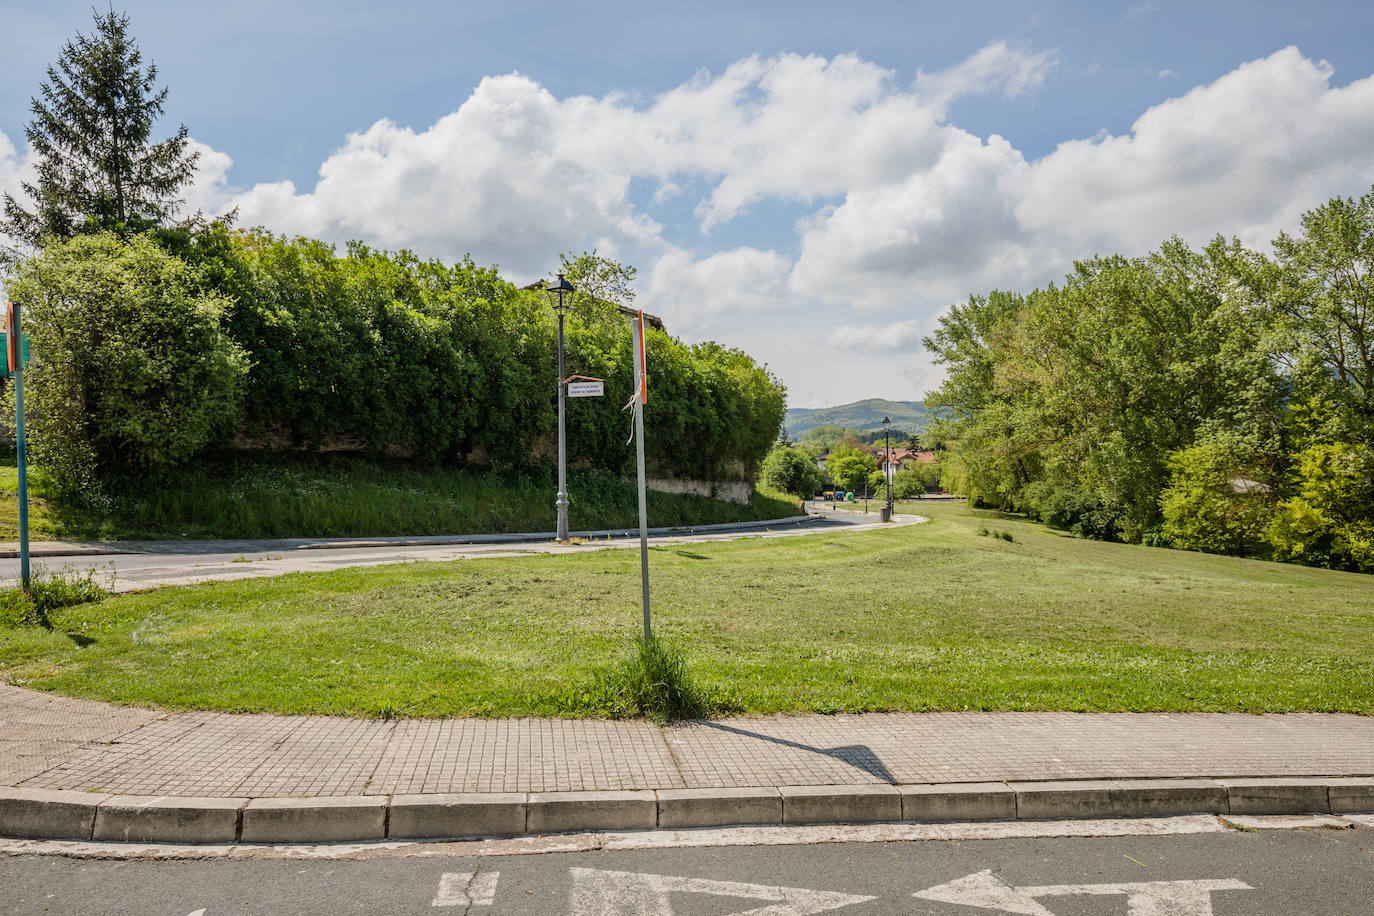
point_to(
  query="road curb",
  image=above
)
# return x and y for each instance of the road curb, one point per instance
(48, 814)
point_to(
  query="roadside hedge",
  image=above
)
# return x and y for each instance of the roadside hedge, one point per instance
(290, 345)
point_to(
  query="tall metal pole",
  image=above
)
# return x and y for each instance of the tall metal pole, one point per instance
(17, 343)
(562, 502)
(888, 475)
(640, 393)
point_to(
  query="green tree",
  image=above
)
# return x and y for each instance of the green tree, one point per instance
(1329, 518)
(132, 371)
(1321, 288)
(850, 466)
(792, 470)
(1066, 402)
(96, 168)
(600, 278)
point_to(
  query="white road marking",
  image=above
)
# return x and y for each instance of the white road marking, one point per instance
(627, 893)
(1151, 898)
(466, 888)
(986, 891)
(1143, 898)
(199, 912)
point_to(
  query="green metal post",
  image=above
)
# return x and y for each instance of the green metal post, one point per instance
(639, 462)
(17, 338)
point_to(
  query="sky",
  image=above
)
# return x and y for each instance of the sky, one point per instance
(812, 182)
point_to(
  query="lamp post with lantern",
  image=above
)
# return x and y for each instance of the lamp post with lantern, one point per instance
(562, 287)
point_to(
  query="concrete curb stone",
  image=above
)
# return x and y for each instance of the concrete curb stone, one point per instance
(840, 804)
(1168, 797)
(166, 819)
(559, 812)
(48, 814)
(718, 807)
(1350, 796)
(315, 820)
(1277, 796)
(433, 817)
(972, 801)
(1043, 800)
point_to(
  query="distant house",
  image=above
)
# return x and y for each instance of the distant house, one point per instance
(902, 458)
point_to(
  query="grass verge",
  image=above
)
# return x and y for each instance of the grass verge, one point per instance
(927, 617)
(256, 496)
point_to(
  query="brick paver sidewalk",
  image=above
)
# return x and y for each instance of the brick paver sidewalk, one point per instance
(55, 742)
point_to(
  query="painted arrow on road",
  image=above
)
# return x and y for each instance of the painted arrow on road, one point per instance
(1143, 898)
(627, 893)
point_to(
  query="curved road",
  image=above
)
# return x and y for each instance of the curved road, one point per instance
(139, 565)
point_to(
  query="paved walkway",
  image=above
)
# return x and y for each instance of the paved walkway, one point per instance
(52, 742)
(147, 564)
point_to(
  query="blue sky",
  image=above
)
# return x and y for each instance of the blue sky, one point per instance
(813, 182)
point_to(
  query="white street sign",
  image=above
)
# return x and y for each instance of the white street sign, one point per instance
(627, 893)
(586, 389)
(1143, 898)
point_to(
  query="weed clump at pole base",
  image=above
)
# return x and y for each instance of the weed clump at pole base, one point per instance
(652, 680)
(48, 592)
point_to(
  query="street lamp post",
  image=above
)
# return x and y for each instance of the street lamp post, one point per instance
(561, 287)
(887, 468)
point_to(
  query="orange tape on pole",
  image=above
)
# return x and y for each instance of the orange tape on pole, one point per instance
(643, 364)
(11, 348)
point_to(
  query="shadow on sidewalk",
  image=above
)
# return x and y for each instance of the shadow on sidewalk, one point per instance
(859, 756)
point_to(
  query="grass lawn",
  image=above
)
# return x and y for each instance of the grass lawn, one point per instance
(916, 618)
(257, 496)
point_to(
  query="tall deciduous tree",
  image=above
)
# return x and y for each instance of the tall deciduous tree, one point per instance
(91, 124)
(1324, 296)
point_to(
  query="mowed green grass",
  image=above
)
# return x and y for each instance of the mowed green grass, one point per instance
(931, 617)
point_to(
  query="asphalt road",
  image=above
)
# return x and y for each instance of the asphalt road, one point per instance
(148, 564)
(1310, 872)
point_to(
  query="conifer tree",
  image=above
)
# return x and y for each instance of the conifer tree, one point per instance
(91, 122)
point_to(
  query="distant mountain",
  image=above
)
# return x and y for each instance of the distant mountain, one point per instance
(909, 416)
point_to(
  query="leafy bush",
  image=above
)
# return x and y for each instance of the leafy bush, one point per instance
(131, 371)
(910, 483)
(792, 470)
(1329, 519)
(1213, 502)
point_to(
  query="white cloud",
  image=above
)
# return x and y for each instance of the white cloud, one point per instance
(694, 294)
(897, 337)
(994, 68)
(1242, 156)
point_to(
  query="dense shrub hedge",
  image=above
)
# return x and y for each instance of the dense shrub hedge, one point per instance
(194, 340)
